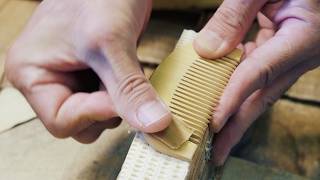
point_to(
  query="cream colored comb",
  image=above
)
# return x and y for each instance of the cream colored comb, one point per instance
(191, 86)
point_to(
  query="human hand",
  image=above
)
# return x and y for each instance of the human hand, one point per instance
(287, 46)
(62, 41)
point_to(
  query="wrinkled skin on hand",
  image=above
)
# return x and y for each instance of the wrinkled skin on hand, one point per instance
(287, 46)
(50, 59)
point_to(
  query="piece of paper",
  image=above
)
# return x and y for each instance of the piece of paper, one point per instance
(14, 109)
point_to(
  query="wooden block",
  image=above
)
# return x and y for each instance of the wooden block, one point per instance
(286, 137)
(307, 87)
(14, 109)
(185, 4)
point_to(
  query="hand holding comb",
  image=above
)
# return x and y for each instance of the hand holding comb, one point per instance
(191, 87)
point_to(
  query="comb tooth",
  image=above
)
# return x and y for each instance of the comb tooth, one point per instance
(198, 130)
(196, 116)
(207, 75)
(225, 64)
(195, 127)
(184, 98)
(201, 86)
(204, 67)
(196, 98)
(231, 61)
(204, 79)
(196, 78)
(191, 104)
(192, 123)
(198, 91)
(222, 71)
(193, 80)
(222, 64)
(198, 67)
(187, 118)
(220, 61)
(198, 136)
(190, 108)
(194, 140)
(222, 67)
(190, 92)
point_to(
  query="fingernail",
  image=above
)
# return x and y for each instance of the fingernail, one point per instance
(151, 112)
(209, 42)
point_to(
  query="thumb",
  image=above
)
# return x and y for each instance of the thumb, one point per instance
(133, 96)
(228, 26)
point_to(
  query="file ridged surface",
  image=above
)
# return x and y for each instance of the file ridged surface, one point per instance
(143, 162)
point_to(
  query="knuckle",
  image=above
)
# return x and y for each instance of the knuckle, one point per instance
(266, 75)
(110, 41)
(26, 79)
(55, 129)
(268, 101)
(228, 20)
(133, 88)
(108, 38)
(19, 70)
(11, 65)
(60, 128)
(289, 49)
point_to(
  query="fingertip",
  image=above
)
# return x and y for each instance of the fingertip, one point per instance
(88, 136)
(153, 116)
(218, 120)
(210, 45)
(221, 151)
(201, 48)
(249, 47)
(219, 161)
(215, 125)
(159, 125)
(219, 155)
(85, 139)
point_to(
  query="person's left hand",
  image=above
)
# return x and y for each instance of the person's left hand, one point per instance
(65, 46)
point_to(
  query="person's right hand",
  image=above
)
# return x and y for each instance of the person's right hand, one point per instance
(287, 46)
(65, 37)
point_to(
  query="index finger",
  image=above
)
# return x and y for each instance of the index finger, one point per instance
(259, 69)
